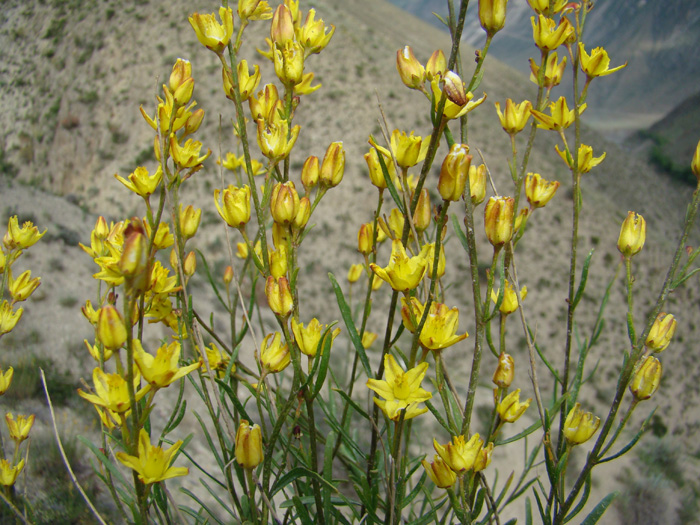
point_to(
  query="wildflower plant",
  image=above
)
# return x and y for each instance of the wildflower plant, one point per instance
(285, 396)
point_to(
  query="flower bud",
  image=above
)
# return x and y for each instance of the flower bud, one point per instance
(436, 66)
(111, 330)
(354, 273)
(505, 371)
(411, 71)
(477, 183)
(310, 173)
(282, 27)
(539, 191)
(228, 272)
(646, 378)
(132, 263)
(454, 89)
(364, 239)
(376, 175)
(235, 206)
(510, 408)
(284, 203)
(189, 221)
(183, 94)
(274, 356)
(189, 266)
(492, 15)
(661, 332)
(632, 234)
(333, 165)
(302, 217)
(580, 426)
(553, 73)
(695, 164)
(498, 220)
(266, 105)
(368, 338)
(454, 172)
(249, 453)
(438, 471)
(422, 216)
(411, 313)
(101, 228)
(279, 296)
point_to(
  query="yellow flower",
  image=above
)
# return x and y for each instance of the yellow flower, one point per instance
(141, 183)
(422, 217)
(458, 454)
(6, 379)
(9, 473)
(498, 220)
(439, 472)
(597, 64)
(153, 464)
(163, 239)
(254, 10)
(312, 35)
(310, 339)
(249, 453)
(289, 63)
(477, 183)
(661, 332)
(279, 296)
(23, 237)
(539, 191)
(112, 392)
(492, 15)
(632, 234)
(368, 338)
(210, 33)
(439, 330)
(454, 172)
(278, 261)
(304, 87)
(515, 116)
(510, 408)
(695, 163)
(459, 101)
(542, 6)
(310, 173)
(276, 140)
(409, 150)
(561, 117)
(8, 317)
(646, 378)
(580, 426)
(411, 71)
(235, 206)
(401, 390)
(21, 288)
(274, 356)
(161, 370)
(547, 35)
(284, 202)
(483, 458)
(19, 429)
(402, 273)
(553, 71)
(187, 156)
(586, 160)
(267, 105)
(510, 298)
(282, 26)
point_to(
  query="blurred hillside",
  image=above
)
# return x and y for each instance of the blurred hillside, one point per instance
(659, 40)
(74, 73)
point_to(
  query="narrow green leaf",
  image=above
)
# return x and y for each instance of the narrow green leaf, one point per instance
(599, 509)
(211, 280)
(438, 416)
(326, 341)
(528, 512)
(302, 512)
(582, 502)
(584, 279)
(350, 325)
(632, 442)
